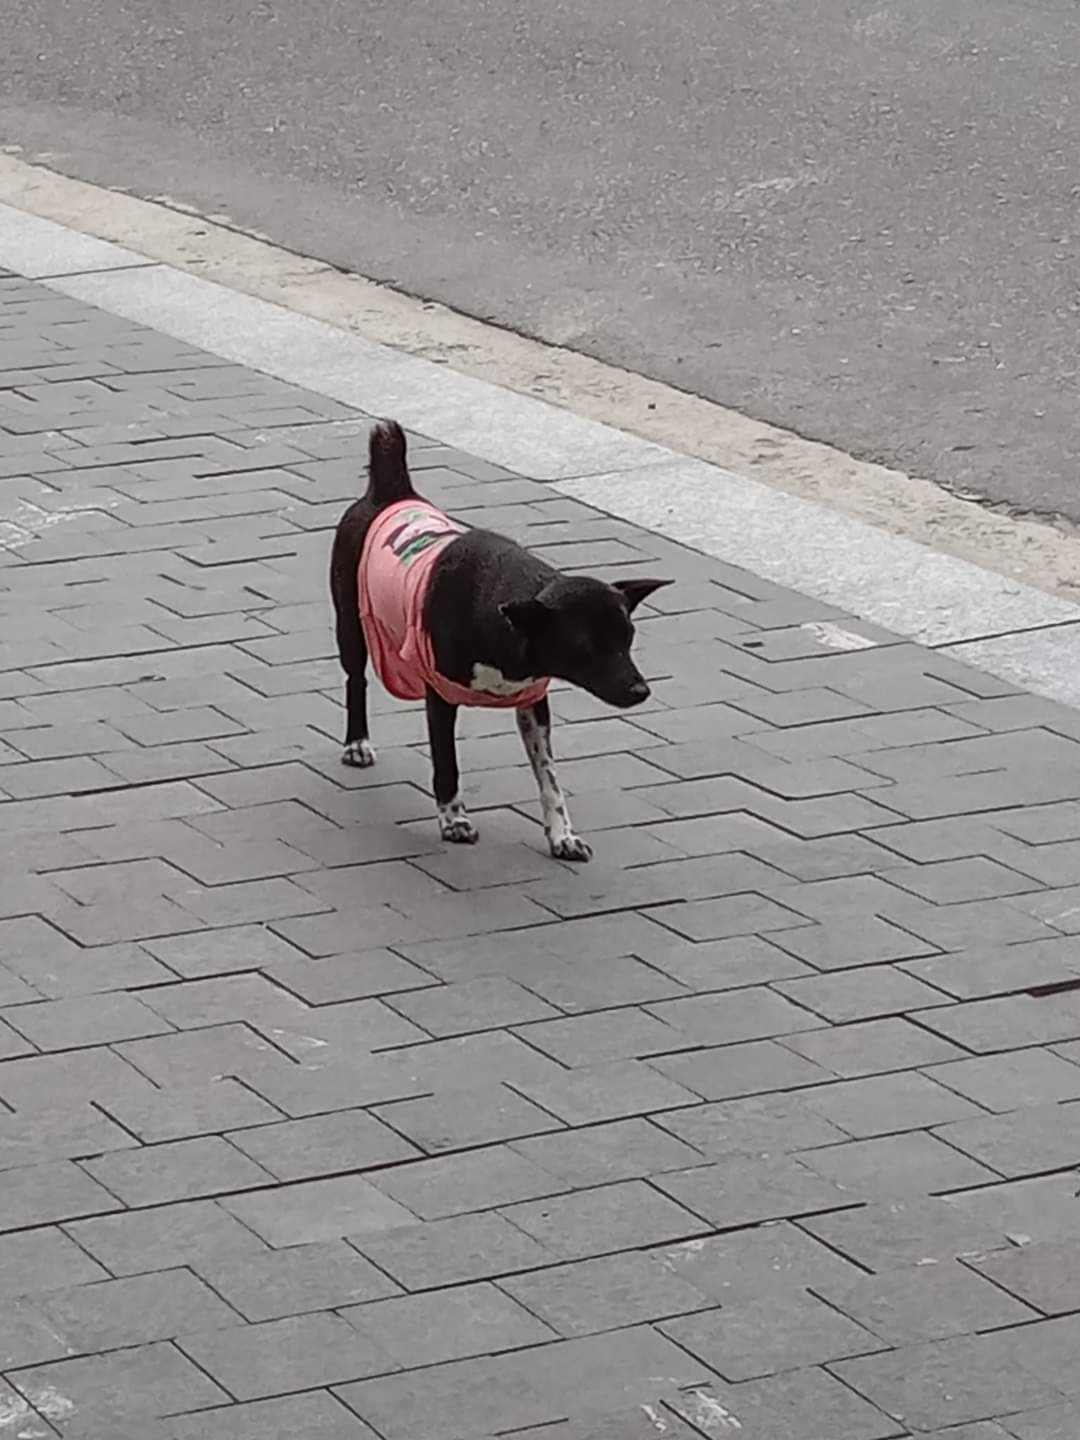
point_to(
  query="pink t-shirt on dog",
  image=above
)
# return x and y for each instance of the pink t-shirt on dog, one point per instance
(400, 549)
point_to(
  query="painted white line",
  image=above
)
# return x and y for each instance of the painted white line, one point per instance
(35, 248)
(906, 587)
(892, 582)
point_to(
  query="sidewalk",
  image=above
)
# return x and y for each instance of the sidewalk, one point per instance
(760, 1125)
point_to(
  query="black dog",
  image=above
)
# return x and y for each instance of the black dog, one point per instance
(456, 616)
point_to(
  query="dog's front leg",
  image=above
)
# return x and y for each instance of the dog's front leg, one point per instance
(534, 723)
(454, 823)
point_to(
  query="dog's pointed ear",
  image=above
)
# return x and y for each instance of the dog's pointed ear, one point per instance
(635, 591)
(526, 616)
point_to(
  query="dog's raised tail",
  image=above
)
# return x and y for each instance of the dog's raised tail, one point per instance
(388, 470)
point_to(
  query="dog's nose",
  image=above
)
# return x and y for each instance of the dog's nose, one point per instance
(638, 692)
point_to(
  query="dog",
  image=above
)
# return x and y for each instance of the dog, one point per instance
(455, 616)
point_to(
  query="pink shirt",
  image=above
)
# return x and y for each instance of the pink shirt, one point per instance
(400, 549)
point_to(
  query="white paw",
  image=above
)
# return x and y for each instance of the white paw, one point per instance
(570, 847)
(358, 753)
(458, 829)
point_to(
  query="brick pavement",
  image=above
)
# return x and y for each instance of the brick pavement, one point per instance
(765, 1123)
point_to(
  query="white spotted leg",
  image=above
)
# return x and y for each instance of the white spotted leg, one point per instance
(534, 723)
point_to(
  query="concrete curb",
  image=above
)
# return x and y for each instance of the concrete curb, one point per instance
(891, 581)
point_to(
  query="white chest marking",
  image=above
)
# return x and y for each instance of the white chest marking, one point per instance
(493, 682)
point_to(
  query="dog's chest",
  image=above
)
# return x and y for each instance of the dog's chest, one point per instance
(489, 680)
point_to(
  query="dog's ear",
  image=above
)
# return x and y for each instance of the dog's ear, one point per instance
(635, 591)
(526, 616)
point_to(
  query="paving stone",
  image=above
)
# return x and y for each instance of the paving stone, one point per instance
(115, 1313)
(221, 951)
(1055, 1422)
(603, 1154)
(1007, 1023)
(315, 1416)
(173, 1235)
(44, 1194)
(178, 1170)
(893, 1234)
(928, 1302)
(194, 1110)
(750, 1339)
(800, 1405)
(1018, 1080)
(453, 1251)
(751, 1014)
(1046, 1349)
(430, 1329)
(458, 1118)
(628, 1215)
(871, 1047)
(322, 1145)
(1024, 1142)
(895, 1166)
(472, 1180)
(605, 1092)
(1024, 1210)
(1046, 1277)
(271, 1284)
(35, 1137)
(729, 1071)
(727, 964)
(946, 1382)
(772, 1189)
(729, 915)
(862, 994)
(582, 1040)
(605, 1293)
(981, 971)
(298, 1353)
(149, 1380)
(322, 1209)
(481, 1004)
(887, 1104)
(758, 1125)
(43, 1259)
(850, 944)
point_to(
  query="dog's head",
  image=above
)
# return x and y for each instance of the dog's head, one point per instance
(579, 629)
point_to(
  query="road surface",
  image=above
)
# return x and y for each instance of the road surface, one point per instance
(855, 220)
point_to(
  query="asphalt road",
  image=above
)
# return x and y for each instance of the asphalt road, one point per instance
(856, 220)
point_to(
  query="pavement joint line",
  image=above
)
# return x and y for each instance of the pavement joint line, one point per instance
(925, 595)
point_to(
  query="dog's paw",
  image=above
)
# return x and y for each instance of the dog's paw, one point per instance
(360, 754)
(571, 847)
(458, 830)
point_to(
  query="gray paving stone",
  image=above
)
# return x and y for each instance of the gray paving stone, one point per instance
(322, 1145)
(315, 1415)
(986, 970)
(893, 1234)
(1024, 1210)
(627, 1215)
(44, 1194)
(116, 1313)
(751, 1014)
(946, 1382)
(751, 1339)
(323, 1209)
(1007, 1023)
(888, 1104)
(150, 1380)
(452, 1251)
(35, 1137)
(773, 1189)
(177, 1170)
(605, 1293)
(272, 1284)
(582, 1040)
(481, 1004)
(891, 1166)
(605, 1092)
(928, 1302)
(297, 1353)
(194, 1110)
(871, 1047)
(430, 1329)
(480, 1179)
(458, 1118)
(43, 1259)
(1055, 1422)
(799, 1405)
(1017, 1080)
(728, 1071)
(851, 944)
(1024, 1142)
(173, 1235)
(1045, 1276)
(862, 994)
(603, 1154)
(757, 1125)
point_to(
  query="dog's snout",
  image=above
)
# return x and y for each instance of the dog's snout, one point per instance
(637, 691)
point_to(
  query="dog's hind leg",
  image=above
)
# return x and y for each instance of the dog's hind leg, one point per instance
(454, 822)
(352, 652)
(534, 724)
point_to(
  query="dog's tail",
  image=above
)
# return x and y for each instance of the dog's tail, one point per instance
(388, 471)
